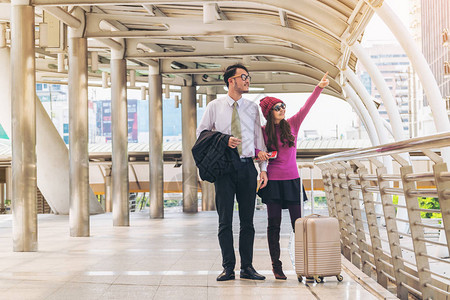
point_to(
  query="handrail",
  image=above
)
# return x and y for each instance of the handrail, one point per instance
(432, 141)
(376, 230)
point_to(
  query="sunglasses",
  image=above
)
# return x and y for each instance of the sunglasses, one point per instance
(244, 77)
(279, 107)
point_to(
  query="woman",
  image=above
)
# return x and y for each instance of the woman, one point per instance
(283, 187)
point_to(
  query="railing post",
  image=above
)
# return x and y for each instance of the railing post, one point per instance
(357, 220)
(302, 200)
(392, 231)
(327, 183)
(340, 213)
(444, 202)
(311, 177)
(371, 217)
(417, 234)
(350, 228)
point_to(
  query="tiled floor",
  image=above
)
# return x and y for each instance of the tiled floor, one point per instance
(177, 257)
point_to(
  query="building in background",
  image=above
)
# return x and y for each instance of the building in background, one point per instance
(435, 24)
(54, 99)
(429, 25)
(394, 65)
(103, 133)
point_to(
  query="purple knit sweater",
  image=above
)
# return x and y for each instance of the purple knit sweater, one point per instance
(284, 167)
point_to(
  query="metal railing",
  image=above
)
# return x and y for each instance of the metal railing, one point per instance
(389, 240)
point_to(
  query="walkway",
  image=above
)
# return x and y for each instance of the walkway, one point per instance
(174, 258)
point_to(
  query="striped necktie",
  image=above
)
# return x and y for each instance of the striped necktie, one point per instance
(236, 126)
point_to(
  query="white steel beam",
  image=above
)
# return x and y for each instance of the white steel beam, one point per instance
(326, 49)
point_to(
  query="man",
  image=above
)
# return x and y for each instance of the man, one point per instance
(239, 117)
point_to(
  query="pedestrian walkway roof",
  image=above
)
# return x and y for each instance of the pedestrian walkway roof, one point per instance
(287, 45)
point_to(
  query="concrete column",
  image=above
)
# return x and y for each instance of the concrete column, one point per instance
(208, 196)
(210, 98)
(208, 189)
(23, 85)
(189, 125)
(119, 118)
(8, 185)
(53, 162)
(2, 198)
(108, 202)
(156, 144)
(78, 137)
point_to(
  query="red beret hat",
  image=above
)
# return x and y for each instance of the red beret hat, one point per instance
(267, 103)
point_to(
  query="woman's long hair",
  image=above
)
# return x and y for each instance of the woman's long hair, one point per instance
(286, 136)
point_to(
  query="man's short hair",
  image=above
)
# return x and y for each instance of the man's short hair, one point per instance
(231, 71)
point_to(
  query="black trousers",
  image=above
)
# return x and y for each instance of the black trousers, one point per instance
(241, 183)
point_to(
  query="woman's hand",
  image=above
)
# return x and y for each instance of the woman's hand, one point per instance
(263, 155)
(324, 82)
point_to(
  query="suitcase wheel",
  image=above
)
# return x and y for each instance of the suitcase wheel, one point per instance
(339, 277)
(300, 278)
(318, 279)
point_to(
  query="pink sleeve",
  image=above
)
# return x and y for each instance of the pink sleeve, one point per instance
(296, 120)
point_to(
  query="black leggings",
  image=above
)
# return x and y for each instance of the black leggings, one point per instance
(274, 211)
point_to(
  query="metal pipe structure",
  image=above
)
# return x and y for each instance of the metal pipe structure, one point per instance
(78, 136)
(156, 161)
(189, 125)
(416, 144)
(119, 119)
(23, 85)
(405, 270)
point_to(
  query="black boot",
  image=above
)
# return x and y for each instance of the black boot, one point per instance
(273, 238)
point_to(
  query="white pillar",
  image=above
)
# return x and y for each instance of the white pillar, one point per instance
(189, 124)
(119, 122)
(23, 91)
(78, 132)
(156, 159)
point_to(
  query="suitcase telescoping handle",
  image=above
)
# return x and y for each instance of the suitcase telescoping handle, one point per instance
(314, 216)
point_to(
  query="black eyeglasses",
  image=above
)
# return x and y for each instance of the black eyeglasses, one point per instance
(244, 77)
(279, 107)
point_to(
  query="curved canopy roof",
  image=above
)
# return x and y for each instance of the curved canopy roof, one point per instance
(287, 45)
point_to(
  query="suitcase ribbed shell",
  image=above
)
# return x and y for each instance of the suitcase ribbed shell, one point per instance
(317, 246)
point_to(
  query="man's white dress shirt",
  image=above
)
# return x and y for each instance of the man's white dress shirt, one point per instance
(218, 116)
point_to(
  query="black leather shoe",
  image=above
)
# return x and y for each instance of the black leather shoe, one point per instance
(227, 274)
(250, 273)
